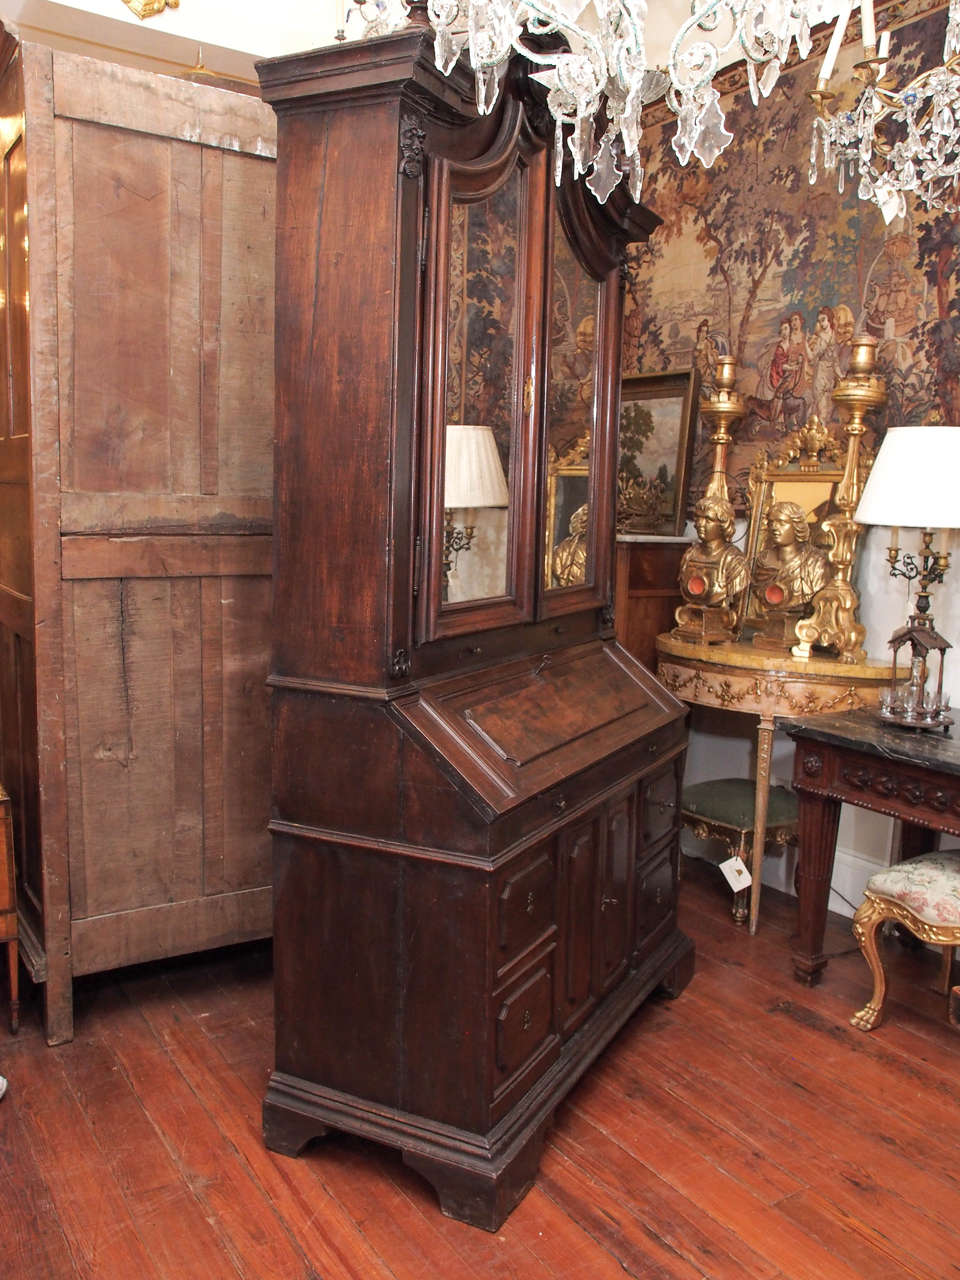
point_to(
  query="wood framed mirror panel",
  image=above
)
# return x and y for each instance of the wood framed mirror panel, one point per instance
(580, 403)
(485, 277)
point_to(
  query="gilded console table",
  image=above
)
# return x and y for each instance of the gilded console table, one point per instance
(738, 677)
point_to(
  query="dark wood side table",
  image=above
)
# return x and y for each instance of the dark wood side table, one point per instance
(854, 758)
(8, 905)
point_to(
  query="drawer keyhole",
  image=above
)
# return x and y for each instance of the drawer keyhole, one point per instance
(530, 903)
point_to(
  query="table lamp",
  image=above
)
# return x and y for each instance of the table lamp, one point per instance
(473, 478)
(913, 484)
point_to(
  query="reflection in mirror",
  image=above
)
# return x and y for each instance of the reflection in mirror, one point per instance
(570, 418)
(481, 372)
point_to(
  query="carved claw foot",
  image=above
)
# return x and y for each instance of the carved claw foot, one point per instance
(866, 1018)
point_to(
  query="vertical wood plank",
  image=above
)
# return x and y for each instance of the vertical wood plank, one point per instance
(127, 675)
(210, 305)
(183, 342)
(66, 301)
(245, 405)
(47, 673)
(245, 733)
(123, 252)
(213, 764)
(74, 764)
(187, 676)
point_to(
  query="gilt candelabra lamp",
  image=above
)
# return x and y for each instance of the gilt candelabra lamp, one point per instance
(913, 485)
(473, 480)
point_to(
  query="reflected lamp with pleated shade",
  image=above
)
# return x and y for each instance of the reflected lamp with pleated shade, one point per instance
(914, 485)
(473, 480)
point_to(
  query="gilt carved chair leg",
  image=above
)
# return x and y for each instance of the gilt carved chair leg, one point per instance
(953, 1007)
(946, 970)
(869, 915)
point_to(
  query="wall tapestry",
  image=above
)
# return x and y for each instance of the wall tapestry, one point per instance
(753, 261)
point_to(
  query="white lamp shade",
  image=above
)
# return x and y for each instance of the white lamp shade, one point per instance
(915, 481)
(474, 474)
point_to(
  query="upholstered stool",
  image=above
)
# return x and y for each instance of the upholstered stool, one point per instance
(923, 894)
(722, 809)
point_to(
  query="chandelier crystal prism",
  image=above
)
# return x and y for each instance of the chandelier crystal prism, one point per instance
(894, 142)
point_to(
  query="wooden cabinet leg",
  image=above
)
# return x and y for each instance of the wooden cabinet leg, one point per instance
(482, 1197)
(819, 819)
(58, 1007)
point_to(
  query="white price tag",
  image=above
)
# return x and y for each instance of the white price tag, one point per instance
(738, 877)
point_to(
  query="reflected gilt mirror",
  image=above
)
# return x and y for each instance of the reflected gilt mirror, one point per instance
(570, 543)
(791, 495)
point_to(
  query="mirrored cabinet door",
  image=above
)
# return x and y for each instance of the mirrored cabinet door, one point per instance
(574, 404)
(570, 420)
(481, 434)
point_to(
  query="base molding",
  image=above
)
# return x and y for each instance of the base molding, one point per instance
(478, 1177)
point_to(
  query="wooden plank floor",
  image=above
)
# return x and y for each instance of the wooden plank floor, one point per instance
(742, 1131)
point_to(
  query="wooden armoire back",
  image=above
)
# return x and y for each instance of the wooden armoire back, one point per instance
(135, 463)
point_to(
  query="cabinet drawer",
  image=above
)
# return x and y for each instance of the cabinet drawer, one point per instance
(656, 895)
(524, 1020)
(525, 905)
(660, 805)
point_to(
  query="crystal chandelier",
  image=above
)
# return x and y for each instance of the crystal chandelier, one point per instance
(893, 140)
(591, 57)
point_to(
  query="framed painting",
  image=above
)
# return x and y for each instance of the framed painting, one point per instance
(657, 419)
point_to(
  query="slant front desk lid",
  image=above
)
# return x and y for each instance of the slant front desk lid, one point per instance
(513, 730)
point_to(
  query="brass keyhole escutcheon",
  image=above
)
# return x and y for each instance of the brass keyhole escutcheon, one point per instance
(526, 1020)
(530, 903)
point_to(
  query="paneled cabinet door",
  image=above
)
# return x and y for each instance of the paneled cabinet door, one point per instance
(577, 864)
(614, 887)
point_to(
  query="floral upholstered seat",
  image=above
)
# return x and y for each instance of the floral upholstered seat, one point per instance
(922, 893)
(929, 885)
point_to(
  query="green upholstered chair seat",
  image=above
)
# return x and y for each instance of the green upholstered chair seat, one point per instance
(731, 801)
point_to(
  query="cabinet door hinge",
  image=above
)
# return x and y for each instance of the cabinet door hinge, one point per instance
(417, 547)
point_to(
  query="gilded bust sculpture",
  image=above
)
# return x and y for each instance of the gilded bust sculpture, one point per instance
(791, 570)
(786, 575)
(569, 563)
(713, 575)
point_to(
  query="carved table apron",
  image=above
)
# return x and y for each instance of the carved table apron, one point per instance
(738, 677)
(856, 759)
